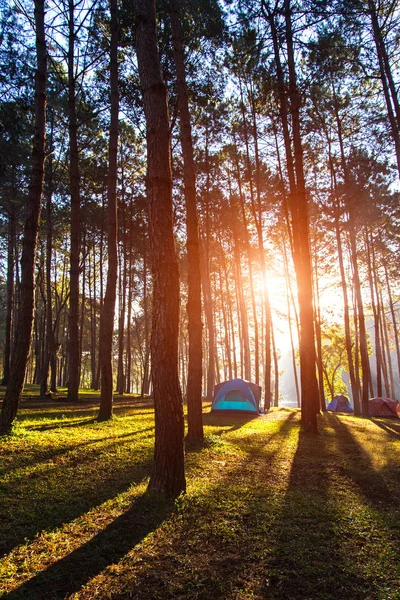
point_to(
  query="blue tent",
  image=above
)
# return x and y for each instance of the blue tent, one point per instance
(237, 395)
(340, 404)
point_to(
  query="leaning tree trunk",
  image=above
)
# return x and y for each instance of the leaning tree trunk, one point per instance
(107, 315)
(168, 475)
(25, 314)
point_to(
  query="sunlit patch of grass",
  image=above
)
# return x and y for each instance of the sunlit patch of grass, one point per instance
(270, 512)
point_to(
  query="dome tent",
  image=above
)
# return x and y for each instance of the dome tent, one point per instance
(383, 407)
(237, 395)
(340, 404)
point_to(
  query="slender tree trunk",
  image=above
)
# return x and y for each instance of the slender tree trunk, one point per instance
(128, 378)
(93, 318)
(225, 309)
(206, 283)
(50, 346)
(12, 235)
(376, 316)
(168, 474)
(194, 400)
(289, 300)
(25, 315)
(299, 207)
(245, 339)
(355, 388)
(276, 368)
(146, 367)
(394, 321)
(250, 266)
(318, 335)
(107, 315)
(366, 374)
(257, 215)
(388, 84)
(74, 182)
(389, 381)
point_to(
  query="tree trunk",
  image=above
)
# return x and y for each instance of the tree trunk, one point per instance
(299, 209)
(74, 182)
(12, 236)
(206, 283)
(107, 315)
(250, 265)
(50, 346)
(145, 388)
(394, 320)
(168, 475)
(194, 381)
(25, 314)
(318, 335)
(366, 375)
(388, 84)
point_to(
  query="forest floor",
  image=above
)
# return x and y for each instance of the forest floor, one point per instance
(270, 512)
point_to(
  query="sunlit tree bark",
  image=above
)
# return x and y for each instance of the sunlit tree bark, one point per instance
(193, 392)
(168, 475)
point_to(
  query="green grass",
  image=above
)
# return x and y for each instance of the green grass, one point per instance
(269, 512)
(32, 391)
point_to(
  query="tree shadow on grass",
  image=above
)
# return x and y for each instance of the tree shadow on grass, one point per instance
(218, 536)
(69, 574)
(306, 560)
(67, 489)
(232, 420)
(62, 424)
(358, 466)
(208, 560)
(392, 427)
(222, 424)
(54, 453)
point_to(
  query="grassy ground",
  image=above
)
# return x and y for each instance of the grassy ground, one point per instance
(269, 512)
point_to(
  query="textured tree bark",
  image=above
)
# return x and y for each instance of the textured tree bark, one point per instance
(107, 315)
(168, 475)
(298, 208)
(206, 283)
(50, 346)
(74, 177)
(121, 302)
(25, 314)
(195, 325)
(309, 384)
(12, 235)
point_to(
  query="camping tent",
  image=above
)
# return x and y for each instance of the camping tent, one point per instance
(237, 395)
(340, 404)
(383, 407)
